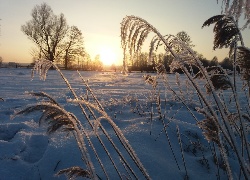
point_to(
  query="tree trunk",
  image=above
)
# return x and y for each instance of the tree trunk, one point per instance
(66, 60)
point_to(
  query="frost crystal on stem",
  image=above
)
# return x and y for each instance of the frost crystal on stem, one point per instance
(41, 67)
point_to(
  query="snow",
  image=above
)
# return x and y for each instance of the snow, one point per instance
(28, 152)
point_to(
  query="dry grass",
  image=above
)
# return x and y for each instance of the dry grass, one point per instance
(216, 110)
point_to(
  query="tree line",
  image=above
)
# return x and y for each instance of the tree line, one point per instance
(141, 63)
(56, 41)
(146, 62)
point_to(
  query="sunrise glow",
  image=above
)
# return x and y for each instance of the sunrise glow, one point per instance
(108, 56)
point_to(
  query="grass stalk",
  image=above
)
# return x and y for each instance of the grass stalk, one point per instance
(119, 134)
(43, 66)
(182, 153)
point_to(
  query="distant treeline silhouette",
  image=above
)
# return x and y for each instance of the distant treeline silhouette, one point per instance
(141, 63)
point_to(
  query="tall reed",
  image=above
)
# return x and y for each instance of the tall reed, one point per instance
(60, 119)
(217, 114)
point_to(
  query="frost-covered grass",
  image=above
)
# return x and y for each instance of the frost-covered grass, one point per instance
(126, 126)
(225, 120)
(167, 141)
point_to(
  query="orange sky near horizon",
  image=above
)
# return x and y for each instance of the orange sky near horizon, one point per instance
(100, 21)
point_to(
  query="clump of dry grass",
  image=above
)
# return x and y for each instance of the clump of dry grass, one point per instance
(58, 119)
(74, 172)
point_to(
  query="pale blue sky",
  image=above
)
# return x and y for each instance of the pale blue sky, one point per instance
(99, 20)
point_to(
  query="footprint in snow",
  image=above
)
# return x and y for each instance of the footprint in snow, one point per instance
(18, 142)
(35, 147)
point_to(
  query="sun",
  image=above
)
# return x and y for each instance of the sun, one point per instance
(108, 56)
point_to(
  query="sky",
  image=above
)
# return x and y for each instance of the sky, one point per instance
(99, 21)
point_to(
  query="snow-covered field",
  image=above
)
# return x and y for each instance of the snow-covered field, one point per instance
(27, 152)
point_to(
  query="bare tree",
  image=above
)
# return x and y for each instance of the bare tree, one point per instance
(73, 46)
(1, 61)
(214, 61)
(46, 30)
(86, 61)
(97, 63)
(183, 36)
